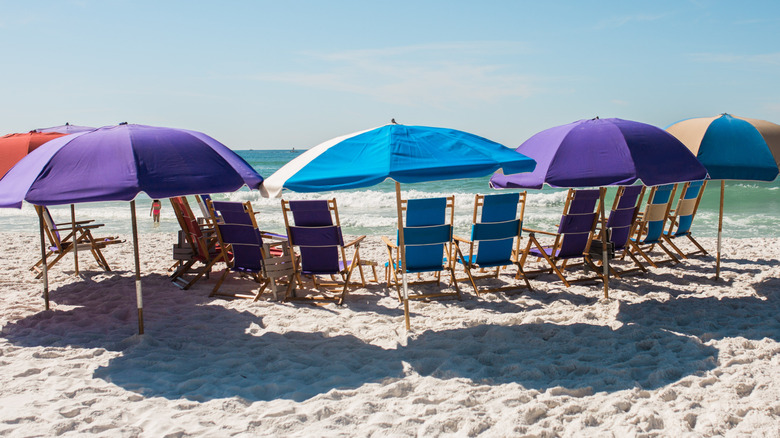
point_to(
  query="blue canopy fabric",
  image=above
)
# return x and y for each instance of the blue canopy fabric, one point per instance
(600, 152)
(405, 154)
(115, 163)
(731, 147)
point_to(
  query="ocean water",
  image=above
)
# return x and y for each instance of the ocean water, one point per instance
(752, 209)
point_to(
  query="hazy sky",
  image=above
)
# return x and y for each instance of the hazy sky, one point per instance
(282, 74)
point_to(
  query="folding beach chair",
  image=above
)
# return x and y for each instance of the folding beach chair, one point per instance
(202, 244)
(59, 246)
(314, 228)
(681, 218)
(238, 233)
(649, 227)
(495, 238)
(428, 245)
(573, 239)
(619, 223)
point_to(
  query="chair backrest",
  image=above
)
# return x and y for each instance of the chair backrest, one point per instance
(427, 232)
(687, 205)
(204, 209)
(497, 228)
(238, 229)
(189, 224)
(623, 214)
(578, 222)
(49, 226)
(316, 234)
(659, 202)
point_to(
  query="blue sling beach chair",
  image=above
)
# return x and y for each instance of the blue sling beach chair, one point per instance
(495, 238)
(427, 243)
(237, 231)
(681, 218)
(572, 241)
(649, 227)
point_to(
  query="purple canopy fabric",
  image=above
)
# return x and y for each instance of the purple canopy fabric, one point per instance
(115, 163)
(601, 152)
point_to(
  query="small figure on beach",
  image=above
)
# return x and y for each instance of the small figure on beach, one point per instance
(155, 212)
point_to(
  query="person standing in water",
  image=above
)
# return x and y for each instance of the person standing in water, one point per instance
(155, 212)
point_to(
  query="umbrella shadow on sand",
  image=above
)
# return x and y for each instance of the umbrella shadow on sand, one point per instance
(197, 350)
(751, 317)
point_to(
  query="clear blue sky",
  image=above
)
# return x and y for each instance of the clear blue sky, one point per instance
(282, 74)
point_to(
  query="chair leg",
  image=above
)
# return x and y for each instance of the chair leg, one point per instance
(644, 255)
(674, 247)
(219, 282)
(672, 258)
(550, 261)
(521, 272)
(701, 250)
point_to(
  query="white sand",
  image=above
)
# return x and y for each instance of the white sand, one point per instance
(673, 353)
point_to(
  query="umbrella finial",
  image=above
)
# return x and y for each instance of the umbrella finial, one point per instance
(596, 118)
(393, 121)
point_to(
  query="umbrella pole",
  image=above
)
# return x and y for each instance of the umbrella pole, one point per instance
(720, 228)
(604, 258)
(403, 252)
(138, 291)
(45, 277)
(75, 244)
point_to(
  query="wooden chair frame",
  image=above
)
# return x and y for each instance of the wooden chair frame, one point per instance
(394, 261)
(79, 232)
(685, 207)
(274, 266)
(469, 265)
(340, 288)
(203, 241)
(653, 212)
(552, 260)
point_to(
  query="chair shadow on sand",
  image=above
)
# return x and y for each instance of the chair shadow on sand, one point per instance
(198, 351)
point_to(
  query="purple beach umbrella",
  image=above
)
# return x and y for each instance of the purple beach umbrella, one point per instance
(601, 152)
(116, 163)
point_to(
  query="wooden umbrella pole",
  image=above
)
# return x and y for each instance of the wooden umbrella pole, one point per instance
(402, 248)
(75, 244)
(604, 257)
(43, 261)
(138, 290)
(720, 228)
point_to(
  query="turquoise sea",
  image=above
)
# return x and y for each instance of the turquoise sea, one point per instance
(752, 209)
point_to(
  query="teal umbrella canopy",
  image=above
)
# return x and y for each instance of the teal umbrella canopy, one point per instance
(731, 147)
(403, 153)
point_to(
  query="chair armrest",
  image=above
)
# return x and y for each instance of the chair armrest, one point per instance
(531, 230)
(69, 227)
(388, 242)
(460, 239)
(355, 242)
(77, 223)
(272, 236)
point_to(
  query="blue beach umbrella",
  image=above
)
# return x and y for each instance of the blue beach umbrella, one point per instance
(733, 148)
(116, 163)
(402, 153)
